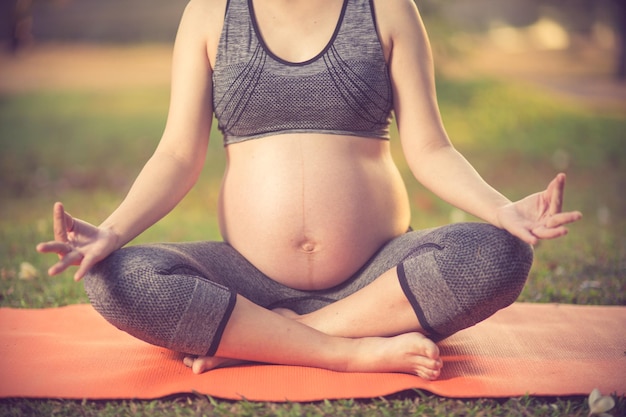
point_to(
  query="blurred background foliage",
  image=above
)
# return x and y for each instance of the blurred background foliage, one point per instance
(526, 88)
(513, 24)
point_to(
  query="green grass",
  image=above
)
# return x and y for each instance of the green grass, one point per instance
(84, 148)
(407, 404)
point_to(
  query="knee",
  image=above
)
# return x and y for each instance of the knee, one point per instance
(473, 270)
(108, 284)
(101, 278)
(126, 290)
(130, 276)
(510, 259)
(151, 295)
(478, 254)
(112, 288)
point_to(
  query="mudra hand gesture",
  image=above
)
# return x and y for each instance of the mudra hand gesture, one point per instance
(76, 242)
(540, 215)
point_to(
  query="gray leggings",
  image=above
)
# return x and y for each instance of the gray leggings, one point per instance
(181, 295)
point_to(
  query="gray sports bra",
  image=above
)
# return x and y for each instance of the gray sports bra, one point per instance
(344, 90)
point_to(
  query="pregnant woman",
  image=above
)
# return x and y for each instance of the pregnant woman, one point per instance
(319, 266)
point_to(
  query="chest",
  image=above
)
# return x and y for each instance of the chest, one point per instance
(299, 31)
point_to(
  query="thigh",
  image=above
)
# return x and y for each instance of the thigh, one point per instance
(217, 262)
(466, 240)
(222, 264)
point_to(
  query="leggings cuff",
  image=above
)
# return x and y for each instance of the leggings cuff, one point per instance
(220, 330)
(413, 301)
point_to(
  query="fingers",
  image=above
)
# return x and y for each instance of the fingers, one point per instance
(72, 258)
(60, 228)
(532, 236)
(543, 232)
(60, 248)
(561, 219)
(556, 219)
(68, 257)
(63, 223)
(556, 190)
(555, 225)
(539, 216)
(68, 253)
(524, 234)
(87, 262)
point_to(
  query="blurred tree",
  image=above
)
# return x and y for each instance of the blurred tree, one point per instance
(578, 17)
(17, 22)
(620, 23)
(77, 19)
(108, 21)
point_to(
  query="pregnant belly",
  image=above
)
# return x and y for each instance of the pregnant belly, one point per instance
(310, 213)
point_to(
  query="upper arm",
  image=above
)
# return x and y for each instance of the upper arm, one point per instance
(412, 75)
(190, 112)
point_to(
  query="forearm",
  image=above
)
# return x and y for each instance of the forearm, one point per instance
(161, 185)
(450, 176)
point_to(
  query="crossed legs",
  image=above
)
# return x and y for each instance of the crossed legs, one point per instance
(348, 335)
(259, 335)
(207, 301)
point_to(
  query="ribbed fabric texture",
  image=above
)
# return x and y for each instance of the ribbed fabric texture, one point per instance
(463, 275)
(345, 89)
(180, 296)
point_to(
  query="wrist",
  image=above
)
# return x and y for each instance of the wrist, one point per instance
(499, 214)
(113, 236)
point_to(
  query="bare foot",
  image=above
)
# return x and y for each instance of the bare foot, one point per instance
(202, 364)
(411, 353)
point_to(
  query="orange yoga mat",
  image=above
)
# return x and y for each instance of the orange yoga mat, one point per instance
(536, 349)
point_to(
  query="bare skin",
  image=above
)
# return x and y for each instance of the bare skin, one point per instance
(409, 353)
(308, 197)
(363, 314)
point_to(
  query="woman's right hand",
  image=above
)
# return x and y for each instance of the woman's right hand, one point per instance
(77, 243)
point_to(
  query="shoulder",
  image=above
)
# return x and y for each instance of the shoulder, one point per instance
(206, 16)
(395, 7)
(207, 8)
(206, 13)
(397, 19)
(203, 20)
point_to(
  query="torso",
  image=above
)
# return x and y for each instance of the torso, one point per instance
(309, 209)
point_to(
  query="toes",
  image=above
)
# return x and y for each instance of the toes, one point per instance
(428, 364)
(202, 364)
(199, 366)
(188, 361)
(428, 373)
(429, 348)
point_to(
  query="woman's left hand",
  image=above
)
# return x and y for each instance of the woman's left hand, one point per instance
(540, 215)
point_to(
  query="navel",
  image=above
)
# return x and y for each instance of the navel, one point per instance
(308, 246)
